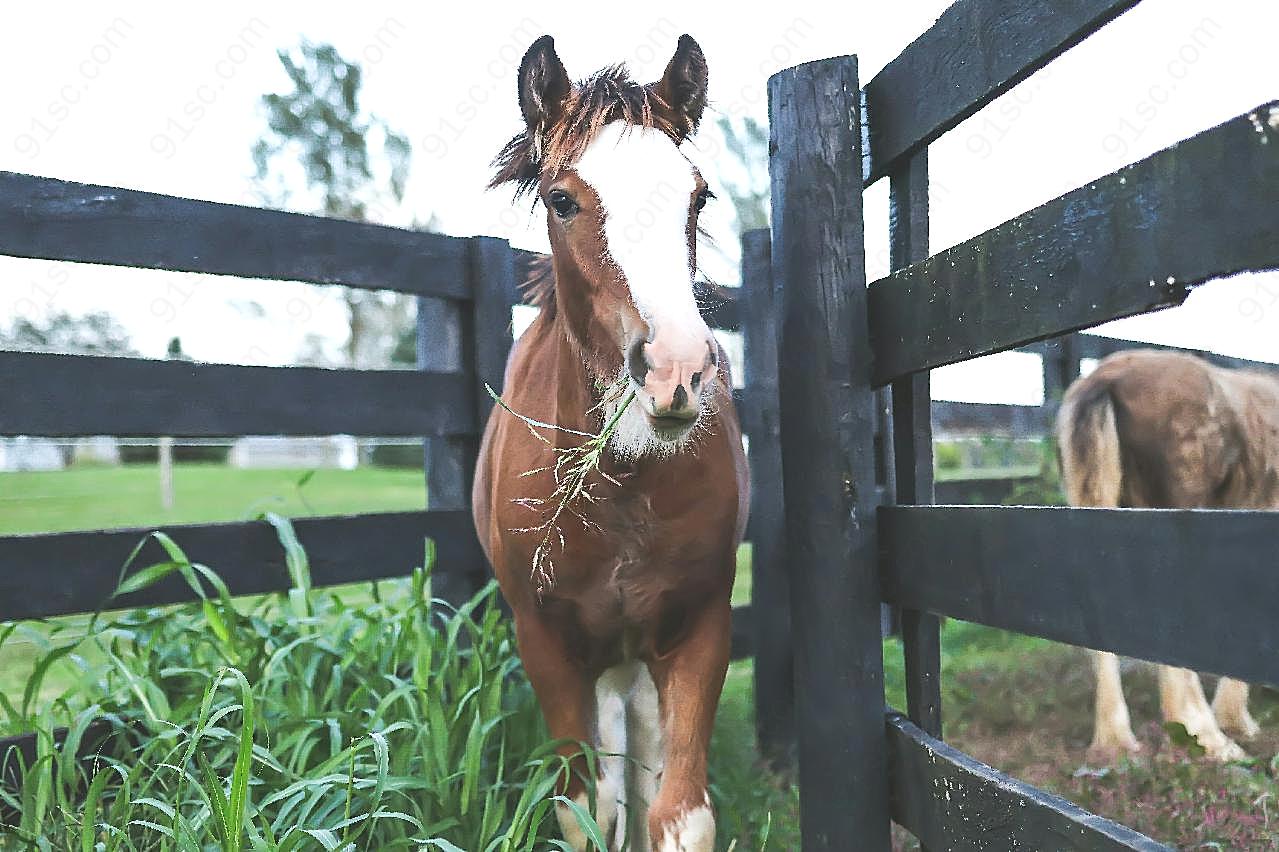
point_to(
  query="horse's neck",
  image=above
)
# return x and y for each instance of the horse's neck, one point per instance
(582, 361)
(565, 390)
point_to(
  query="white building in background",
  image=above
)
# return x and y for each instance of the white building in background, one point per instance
(97, 450)
(24, 453)
(333, 451)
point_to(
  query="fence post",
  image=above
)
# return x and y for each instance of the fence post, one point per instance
(473, 338)
(1061, 367)
(442, 337)
(913, 443)
(495, 290)
(770, 587)
(828, 417)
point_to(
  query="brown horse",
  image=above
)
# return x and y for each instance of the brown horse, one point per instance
(621, 595)
(1155, 429)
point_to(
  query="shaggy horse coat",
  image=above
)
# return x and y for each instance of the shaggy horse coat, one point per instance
(1153, 429)
(621, 598)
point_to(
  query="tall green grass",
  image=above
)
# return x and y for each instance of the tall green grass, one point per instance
(302, 721)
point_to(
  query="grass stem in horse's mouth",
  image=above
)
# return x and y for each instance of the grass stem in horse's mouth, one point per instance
(571, 468)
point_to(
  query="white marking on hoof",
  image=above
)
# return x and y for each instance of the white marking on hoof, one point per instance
(694, 831)
(645, 753)
(1230, 707)
(611, 691)
(570, 830)
(1220, 747)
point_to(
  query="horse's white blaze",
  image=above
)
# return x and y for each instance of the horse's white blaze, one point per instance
(645, 185)
(694, 831)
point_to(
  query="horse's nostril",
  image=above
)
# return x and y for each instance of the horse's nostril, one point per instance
(637, 362)
(680, 399)
(694, 381)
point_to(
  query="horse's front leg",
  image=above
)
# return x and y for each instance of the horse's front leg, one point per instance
(689, 678)
(566, 692)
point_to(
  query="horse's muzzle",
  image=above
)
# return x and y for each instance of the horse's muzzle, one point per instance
(673, 374)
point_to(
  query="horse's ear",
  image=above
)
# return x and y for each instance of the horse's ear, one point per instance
(683, 86)
(543, 85)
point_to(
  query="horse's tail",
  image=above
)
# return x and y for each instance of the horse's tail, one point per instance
(1088, 445)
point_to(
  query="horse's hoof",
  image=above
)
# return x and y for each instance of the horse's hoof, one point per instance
(1244, 728)
(1111, 752)
(1225, 751)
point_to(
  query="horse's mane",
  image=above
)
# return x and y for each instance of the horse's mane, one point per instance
(539, 287)
(606, 96)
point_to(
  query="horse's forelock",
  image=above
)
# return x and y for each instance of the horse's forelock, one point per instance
(607, 96)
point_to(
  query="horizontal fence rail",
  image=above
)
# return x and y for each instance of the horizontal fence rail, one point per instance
(61, 220)
(52, 574)
(984, 418)
(66, 395)
(950, 801)
(1204, 580)
(976, 51)
(951, 418)
(1097, 347)
(1129, 243)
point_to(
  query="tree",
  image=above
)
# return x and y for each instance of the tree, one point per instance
(95, 333)
(746, 180)
(353, 166)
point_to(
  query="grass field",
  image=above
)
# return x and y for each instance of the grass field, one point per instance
(129, 496)
(1018, 703)
(104, 497)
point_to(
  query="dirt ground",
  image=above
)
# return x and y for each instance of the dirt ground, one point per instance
(1034, 722)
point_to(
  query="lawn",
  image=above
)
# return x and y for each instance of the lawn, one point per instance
(94, 497)
(1017, 703)
(129, 496)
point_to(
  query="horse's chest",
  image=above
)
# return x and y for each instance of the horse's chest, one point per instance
(638, 566)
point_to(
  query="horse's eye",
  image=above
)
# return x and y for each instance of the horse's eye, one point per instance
(702, 197)
(562, 203)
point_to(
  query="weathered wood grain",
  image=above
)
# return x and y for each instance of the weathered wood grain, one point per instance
(770, 583)
(976, 51)
(951, 801)
(64, 573)
(1132, 242)
(57, 395)
(1193, 588)
(61, 220)
(913, 444)
(828, 453)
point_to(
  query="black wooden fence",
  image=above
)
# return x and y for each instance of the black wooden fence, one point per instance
(1122, 580)
(466, 289)
(842, 470)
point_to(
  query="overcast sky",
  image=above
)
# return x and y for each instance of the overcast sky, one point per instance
(165, 99)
